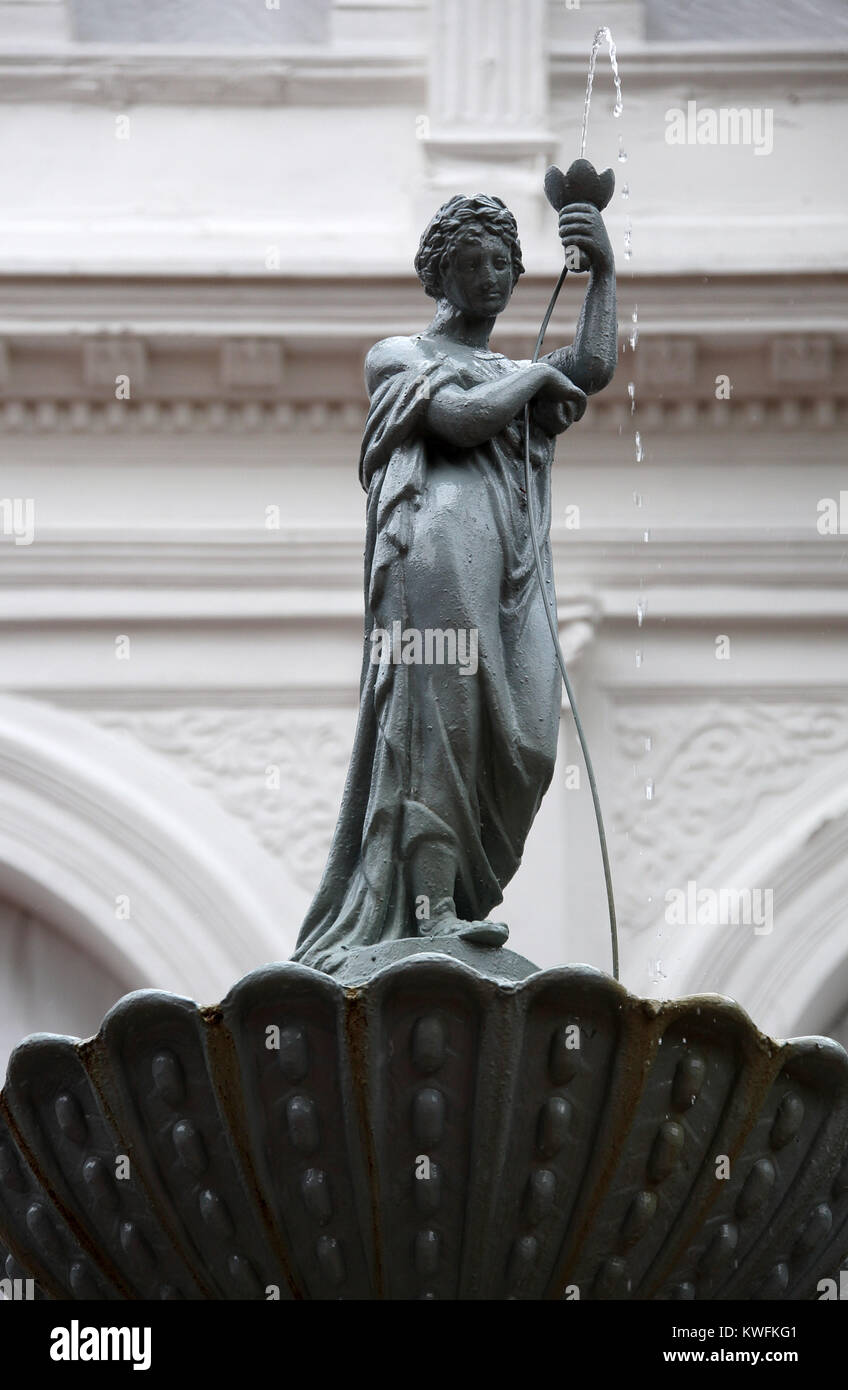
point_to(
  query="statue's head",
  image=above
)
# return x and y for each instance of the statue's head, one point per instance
(470, 254)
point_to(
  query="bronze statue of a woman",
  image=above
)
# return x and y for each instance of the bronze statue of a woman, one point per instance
(460, 690)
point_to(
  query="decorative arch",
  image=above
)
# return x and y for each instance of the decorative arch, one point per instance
(87, 818)
(794, 980)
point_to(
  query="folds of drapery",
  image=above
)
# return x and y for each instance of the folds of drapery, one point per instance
(417, 768)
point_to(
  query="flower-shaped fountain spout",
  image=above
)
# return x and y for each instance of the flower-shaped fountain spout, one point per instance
(581, 184)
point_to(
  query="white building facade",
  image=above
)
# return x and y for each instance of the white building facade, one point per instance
(209, 214)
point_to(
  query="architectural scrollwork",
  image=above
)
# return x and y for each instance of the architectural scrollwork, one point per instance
(709, 768)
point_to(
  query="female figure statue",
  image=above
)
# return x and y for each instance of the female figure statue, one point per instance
(460, 690)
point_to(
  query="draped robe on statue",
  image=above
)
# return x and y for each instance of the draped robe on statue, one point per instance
(442, 753)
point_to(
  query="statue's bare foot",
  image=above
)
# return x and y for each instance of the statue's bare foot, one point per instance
(478, 933)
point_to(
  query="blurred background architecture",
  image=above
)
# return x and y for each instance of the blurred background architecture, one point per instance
(209, 213)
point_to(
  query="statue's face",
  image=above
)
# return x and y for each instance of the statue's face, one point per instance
(478, 276)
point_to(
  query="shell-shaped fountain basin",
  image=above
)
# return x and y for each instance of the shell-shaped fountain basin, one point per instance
(425, 1133)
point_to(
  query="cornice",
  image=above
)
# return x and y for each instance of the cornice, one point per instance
(99, 75)
(276, 354)
(301, 573)
(774, 66)
(359, 304)
(369, 74)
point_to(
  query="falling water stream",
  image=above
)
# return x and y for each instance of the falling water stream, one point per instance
(604, 36)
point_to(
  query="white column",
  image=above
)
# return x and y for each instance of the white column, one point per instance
(488, 79)
(487, 123)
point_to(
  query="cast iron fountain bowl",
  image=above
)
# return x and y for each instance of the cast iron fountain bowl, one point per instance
(430, 1133)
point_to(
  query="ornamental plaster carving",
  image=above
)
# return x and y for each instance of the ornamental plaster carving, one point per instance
(691, 777)
(279, 771)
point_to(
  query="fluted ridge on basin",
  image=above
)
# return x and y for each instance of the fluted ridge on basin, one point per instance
(428, 1134)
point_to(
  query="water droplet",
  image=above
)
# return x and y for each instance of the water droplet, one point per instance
(634, 332)
(631, 391)
(637, 499)
(649, 743)
(641, 610)
(646, 536)
(625, 190)
(640, 452)
(621, 155)
(628, 239)
(638, 658)
(649, 789)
